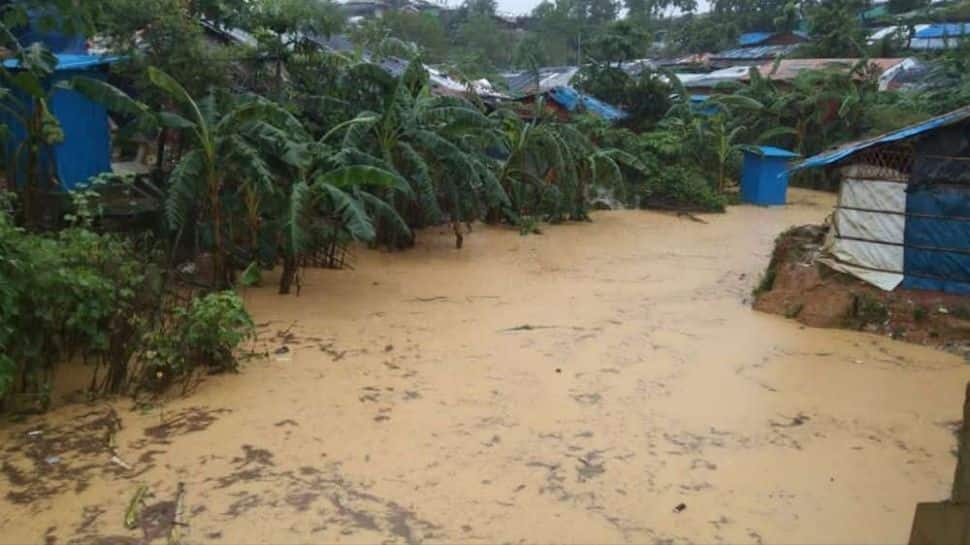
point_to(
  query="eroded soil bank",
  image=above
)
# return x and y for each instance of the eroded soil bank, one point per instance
(575, 387)
(797, 286)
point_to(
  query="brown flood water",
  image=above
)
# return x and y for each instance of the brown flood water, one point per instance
(414, 406)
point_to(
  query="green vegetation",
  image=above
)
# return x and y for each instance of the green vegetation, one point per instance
(868, 310)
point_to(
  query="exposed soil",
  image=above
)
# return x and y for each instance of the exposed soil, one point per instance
(601, 383)
(795, 285)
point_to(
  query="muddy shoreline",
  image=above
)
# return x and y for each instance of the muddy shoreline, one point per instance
(603, 382)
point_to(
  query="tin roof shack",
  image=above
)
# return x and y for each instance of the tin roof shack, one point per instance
(787, 70)
(759, 47)
(86, 148)
(903, 214)
(925, 37)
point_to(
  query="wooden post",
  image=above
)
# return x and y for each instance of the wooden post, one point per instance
(961, 480)
(948, 522)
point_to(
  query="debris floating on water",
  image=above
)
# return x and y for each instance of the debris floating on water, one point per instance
(133, 513)
(119, 462)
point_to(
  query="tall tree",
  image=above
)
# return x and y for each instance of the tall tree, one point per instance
(836, 28)
(487, 8)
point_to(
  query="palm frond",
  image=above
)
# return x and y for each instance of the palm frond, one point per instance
(250, 162)
(300, 201)
(346, 178)
(420, 175)
(349, 211)
(385, 212)
(184, 185)
(104, 93)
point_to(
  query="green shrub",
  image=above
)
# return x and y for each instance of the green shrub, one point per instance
(870, 310)
(213, 327)
(681, 187)
(203, 335)
(68, 294)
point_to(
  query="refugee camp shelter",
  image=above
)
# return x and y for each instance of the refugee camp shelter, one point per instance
(759, 46)
(565, 101)
(86, 149)
(903, 214)
(924, 37)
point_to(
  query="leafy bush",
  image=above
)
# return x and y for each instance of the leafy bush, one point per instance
(73, 293)
(669, 178)
(203, 335)
(680, 187)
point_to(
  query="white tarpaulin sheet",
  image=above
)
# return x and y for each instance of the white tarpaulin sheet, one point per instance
(873, 195)
(870, 225)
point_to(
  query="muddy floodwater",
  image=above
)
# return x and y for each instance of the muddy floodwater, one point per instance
(600, 383)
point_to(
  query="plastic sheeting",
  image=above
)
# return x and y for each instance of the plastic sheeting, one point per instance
(836, 156)
(938, 238)
(874, 195)
(929, 169)
(571, 100)
(870, 232)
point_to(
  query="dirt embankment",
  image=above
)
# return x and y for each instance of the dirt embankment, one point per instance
(795, 285)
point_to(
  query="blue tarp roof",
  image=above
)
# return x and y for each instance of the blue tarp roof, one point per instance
(754, 38)
(749, 39)
(570, 99)
(72, 61)
(771, 151)
(832, 157)
(941, 30)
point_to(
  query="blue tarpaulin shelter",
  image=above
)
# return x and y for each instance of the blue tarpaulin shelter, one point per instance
(903, 217)
(86, 149)
(944, 30)
(764, 175)
(572, 100)
(754, 38)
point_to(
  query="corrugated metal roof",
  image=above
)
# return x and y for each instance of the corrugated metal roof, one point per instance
(943, 30)
(788, 69)
(71, 61)
(571, 99)
(847, 150)
(711, 79)
(523, 82)
(754, 53)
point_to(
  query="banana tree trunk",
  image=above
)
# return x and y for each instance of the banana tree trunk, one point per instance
(289, 274)
(220, 277)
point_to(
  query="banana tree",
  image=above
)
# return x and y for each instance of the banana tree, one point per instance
(436, 143)
(26, 99)
(550, 169)
(324, 197)
(220, 163)
(325, 205)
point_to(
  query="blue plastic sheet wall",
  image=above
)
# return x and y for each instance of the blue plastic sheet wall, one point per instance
(86, 150)
(937, 238)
